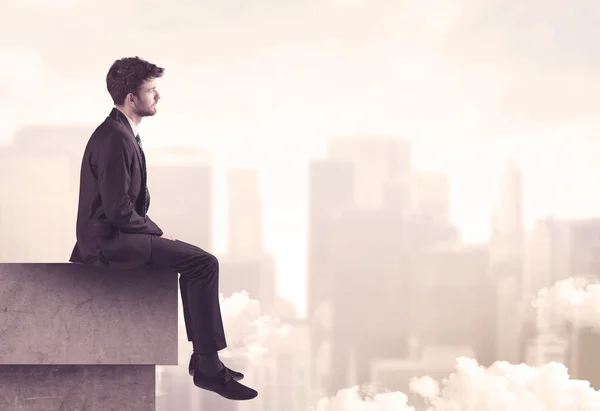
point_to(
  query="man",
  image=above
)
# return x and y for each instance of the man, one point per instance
(114, 230)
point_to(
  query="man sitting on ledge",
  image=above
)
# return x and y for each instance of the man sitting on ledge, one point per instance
(113, 229)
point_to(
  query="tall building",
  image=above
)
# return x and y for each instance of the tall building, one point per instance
(52, 138)
(255, 275)
(331, 191)
(373, 262)
(282, 376)
(557, 249)
(180, 181)
(583, 361)
(6, 167)
(567, 342)
(399, 194)
(549, 342)
(507, 218)
(39, 184)
(376, 161)
(245, 213)
(432, 195)
(506, 258)
(363, 214)
(247, 266)
(507, 229)
(547, 255)
(583, 252)
(455, 299)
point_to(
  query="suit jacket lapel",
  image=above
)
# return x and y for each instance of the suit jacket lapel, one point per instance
(116, 114)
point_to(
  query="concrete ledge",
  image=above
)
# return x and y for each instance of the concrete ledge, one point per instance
(82, 388)
(70, 314)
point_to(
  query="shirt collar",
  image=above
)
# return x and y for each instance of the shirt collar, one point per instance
(131, 123)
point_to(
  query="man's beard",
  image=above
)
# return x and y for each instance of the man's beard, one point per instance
(146, 112)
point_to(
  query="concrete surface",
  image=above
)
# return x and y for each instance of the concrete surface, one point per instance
(77, 388)
(70, 314)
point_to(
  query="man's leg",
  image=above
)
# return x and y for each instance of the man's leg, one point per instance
(199, 282)
(196, 358)
(183, 287)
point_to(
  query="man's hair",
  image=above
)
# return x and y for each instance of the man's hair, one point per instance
(126, 75)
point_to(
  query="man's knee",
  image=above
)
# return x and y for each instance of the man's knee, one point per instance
(208, 262)
(212, 263)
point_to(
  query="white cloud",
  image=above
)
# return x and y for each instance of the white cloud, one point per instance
(575, 300)
(501, 387)
(351, 399)
(249, 333)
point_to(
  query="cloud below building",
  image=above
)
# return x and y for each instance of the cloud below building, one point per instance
(249, 333)
(575, 300)
(502, 386)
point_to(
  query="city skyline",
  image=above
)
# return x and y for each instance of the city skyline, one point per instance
(283, 226)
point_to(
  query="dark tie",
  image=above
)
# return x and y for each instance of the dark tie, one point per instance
(144, 177)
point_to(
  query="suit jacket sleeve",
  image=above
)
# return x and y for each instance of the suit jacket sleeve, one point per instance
(147, 199)
(115, 157)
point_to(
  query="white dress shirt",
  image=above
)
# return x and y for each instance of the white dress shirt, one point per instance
(131, 123)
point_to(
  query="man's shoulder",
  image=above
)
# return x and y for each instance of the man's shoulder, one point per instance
(110, 132)
(111, 126)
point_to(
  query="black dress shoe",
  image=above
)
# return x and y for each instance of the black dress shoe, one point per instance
(224, 385)
(194, 365)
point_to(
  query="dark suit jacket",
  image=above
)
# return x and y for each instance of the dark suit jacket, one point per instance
(112, 229)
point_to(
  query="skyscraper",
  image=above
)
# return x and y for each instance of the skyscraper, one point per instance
(331, 185)
(40, 178)
(506, 258)
(247, 266)
(245, 231)
(376, 161)
(432, 195)
(331, 190)
(181, 191)
(374, 267)
(507, 214)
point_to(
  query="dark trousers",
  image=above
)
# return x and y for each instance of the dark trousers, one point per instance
(199, 285)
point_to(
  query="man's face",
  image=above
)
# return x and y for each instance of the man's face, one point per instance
(144, 104)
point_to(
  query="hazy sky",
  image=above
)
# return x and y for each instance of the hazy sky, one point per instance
(265, 83)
